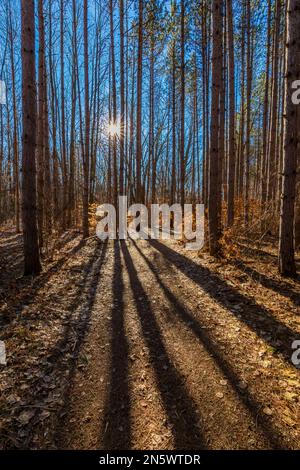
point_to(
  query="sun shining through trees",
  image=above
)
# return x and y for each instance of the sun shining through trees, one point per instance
(130, 132)
(164, 101)
(113, 129)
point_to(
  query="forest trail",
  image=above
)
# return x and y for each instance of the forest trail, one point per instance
(144, 345)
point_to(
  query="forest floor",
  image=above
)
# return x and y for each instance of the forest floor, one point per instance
(145, 345)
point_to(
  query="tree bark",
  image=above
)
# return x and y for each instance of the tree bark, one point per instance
(122, 97)
(287, 264)
(213, 188)
(248, 120)
(274, 111)
(32, 263)
(114, 104)
(231, 149)
(182, 104)
(139, 196)
(86, 162)
(63, 118)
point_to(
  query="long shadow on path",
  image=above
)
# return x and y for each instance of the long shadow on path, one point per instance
(77, 328)
(117, 429)
(28, 287)
(278, 287)
(188, 318)
(180, 407)
(257, 317)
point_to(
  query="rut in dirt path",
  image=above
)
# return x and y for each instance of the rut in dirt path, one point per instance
(156, 374)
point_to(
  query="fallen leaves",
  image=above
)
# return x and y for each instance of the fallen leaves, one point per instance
(40, 363)
(267, 411)
(289, 421)
(26, 416)
(223, 382)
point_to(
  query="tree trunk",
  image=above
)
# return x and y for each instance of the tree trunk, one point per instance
(32, 263)
(71, 205)
(139, 197)
(86, 162)
(173, 171)
(182, 104)
(273, 127)
(63, 118)
(213, 189)
(248, 121)
(15, 130)
(122, 97)
(231, 150)
(114, 105)
(152, 158)
(266, 113)
(287, 264)
(41, 126)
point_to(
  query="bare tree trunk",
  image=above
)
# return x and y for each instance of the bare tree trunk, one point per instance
(221, 144)
(71, 205)
(55, 175)
(63, 119)
(248, 121)
(86, 162)
(43, 154)
(265, 113)
(182, 104)
(241, 154)
(213, 193)
(15, 129)
(274, 111)
(114, 104)
(173, 171)
(287, 264)
(1, 162)
(122, 97)
(231, 150)
(41, 126)
(139, 196)
(152, 157)
(32, 263)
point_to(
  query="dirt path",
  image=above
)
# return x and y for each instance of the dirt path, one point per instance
(168, 365)
(162, 349)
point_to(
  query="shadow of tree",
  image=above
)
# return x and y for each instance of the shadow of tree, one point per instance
(185, 315)
(26, 296)
(279, 287)
(77, 326)
(257, 317)
(180, 407)
(117, 429)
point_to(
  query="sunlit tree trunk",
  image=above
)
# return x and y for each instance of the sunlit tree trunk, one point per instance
(274, 111)
(266, 113)
(231, 149)
(248, 120)
(291, 144)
